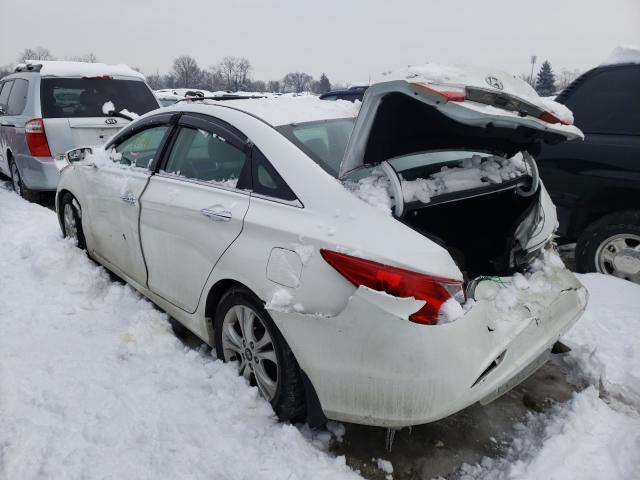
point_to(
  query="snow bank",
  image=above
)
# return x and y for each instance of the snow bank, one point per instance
(55, 68)
(93, 383)
(481, 77)
(623, 54)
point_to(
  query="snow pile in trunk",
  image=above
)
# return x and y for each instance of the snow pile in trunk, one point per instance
(595, 435)
(475, 172)
(95, 385)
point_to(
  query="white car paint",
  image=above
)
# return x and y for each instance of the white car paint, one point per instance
(367, 362)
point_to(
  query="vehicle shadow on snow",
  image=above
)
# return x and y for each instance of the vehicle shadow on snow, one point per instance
(46, 199)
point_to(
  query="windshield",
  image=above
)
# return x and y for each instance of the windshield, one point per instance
(84, 97)
(325, 141)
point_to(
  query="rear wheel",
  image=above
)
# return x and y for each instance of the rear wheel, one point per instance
(611, 245)
(245, 333)
(18, 185)
(72, 220)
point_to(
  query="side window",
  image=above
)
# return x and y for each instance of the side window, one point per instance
(18, 97)
(4, 94)
(266, 180)
(206, 156)
(141, 148)
(608, 102)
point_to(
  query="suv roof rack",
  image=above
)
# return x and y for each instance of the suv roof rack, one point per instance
(28, 67)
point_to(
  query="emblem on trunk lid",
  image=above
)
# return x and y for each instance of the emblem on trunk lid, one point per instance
(494, 82)
(111, 121)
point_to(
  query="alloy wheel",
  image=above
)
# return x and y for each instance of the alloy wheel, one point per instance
(619, 255)
(246, 339)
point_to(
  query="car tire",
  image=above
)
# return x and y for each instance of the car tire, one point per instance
(279, 381)
(71, 220)
(18, 184)
(613, 237)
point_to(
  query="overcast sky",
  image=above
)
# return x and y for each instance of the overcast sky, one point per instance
(348, 40)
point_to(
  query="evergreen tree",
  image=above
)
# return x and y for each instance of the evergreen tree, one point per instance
(546, 81)
(324, 85)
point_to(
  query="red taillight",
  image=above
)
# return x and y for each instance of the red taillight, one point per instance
(36, 138)
(449, 92)
(398, 282)
(551, 118)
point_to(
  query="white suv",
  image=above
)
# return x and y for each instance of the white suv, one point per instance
(47, 108)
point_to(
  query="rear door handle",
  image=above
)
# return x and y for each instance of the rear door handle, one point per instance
(217, 213)
(129, 198)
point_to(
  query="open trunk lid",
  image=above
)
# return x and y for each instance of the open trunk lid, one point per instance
(436, 107)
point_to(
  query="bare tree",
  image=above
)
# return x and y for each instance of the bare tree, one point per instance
(155, 81)
(566, 77)
(38, 53)
(87, 58)
(235, 72)
(273, 86)
(186, 72)
(5, 70)
(297, 81)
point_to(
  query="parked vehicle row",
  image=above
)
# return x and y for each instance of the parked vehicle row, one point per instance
(232, 217)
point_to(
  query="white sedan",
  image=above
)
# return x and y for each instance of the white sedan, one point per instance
(388, 263)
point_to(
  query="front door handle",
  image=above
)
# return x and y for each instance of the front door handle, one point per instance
(129, 198)
(217, 213)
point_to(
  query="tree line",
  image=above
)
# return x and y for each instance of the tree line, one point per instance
(234, 74)
(230, 73)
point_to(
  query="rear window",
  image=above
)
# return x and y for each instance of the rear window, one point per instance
(84, 97)
(608, 102)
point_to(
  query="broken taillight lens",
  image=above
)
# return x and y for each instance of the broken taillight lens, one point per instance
(399, 283)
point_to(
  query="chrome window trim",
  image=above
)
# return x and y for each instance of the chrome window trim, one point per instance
(291, 203)
(204, 183)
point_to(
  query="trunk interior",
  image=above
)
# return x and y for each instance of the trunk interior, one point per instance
(478, 231)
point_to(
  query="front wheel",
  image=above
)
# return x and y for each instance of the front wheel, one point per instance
(245, 333)
(72, 220)
(611, 245)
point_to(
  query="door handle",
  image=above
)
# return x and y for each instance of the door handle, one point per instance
(129, 198)
(217, 213)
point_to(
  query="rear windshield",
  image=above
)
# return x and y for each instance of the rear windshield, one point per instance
(325, 141)
(84, 97)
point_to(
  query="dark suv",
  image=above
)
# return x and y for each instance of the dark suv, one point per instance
(595, 183)
(351, 94)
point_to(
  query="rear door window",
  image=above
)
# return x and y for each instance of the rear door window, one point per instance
(4, 94)
(86, 97)
(608, 102)
(206, 156)
(18, 97)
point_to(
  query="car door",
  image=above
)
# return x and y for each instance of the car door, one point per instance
(194, 207)
(113, 190)
(5, 125)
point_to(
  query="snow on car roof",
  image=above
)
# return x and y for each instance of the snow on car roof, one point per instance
(56, 68)
(481, 77)
(623, 54)
(286, 110)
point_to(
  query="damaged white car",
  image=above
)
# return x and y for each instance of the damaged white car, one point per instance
(245, 221)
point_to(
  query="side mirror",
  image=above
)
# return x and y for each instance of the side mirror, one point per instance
(78, 154)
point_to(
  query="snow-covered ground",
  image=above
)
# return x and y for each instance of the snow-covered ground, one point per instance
(94, 384)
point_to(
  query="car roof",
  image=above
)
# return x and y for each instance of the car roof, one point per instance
(54, 68)
(279, 111)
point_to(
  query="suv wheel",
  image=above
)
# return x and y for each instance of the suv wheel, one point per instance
(18, 186)
(611, 245)
(245, 333)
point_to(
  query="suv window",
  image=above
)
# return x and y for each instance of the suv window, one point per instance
(608, 101)
(266, 180)
(4, 94)
(85, 97)
(18, 97)
(203, 155)
(141, 148)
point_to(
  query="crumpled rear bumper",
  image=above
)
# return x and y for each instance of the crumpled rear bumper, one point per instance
(370, 365)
